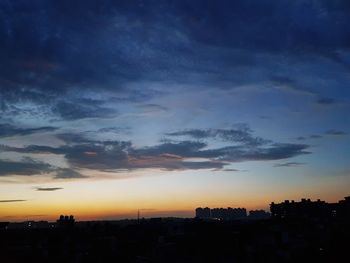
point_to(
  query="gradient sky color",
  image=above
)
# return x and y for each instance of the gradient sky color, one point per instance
(110, 107)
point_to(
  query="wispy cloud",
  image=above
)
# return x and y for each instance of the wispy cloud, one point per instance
(152, 107)
(335, 132)
(241, 134)
(12, 200)
(48, 188)
(315, 136)
(326, 101)
(289, 164)
(8, 130)
(227, 170)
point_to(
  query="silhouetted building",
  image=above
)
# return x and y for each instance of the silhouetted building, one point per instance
(66, 221)
(342, 208)
(203, 212)
(258, 214)
(4, 225)
(221, 213)
(310, 209)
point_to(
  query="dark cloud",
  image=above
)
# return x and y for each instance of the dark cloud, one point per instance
(335, 132)
(289, 164)
(73, 138)
(26, 167)
(280, 20)
(277, 151)
(67, 173)
(195, 133)
(87, 137)
(108, 155)
(153, 107)
(172, 163)
(326, 101)
(47, 53)
(315, 136)
(30, 167)
(117, 130)
(48, 188)
(182, 149)
(74, 111)
(242, 134)
(89, 154)
(32, 149)
(312, 136)
(12, 200)
(227, 170)
(7, 130)
(197, 165)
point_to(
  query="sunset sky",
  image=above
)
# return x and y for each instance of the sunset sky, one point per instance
(110, 107)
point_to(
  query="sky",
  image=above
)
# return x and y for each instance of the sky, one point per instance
(112, 107)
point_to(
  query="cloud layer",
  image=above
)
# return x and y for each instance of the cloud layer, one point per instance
(124, 85)
(48, 56)
(83, 153)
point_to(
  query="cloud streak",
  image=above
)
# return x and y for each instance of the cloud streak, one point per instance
(335, 132)
(12, 200)
(7, 130)
(241, 134)
(326, 101)
(289, 164)
(48, 189)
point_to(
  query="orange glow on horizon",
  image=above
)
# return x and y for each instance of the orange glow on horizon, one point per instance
(159, 194)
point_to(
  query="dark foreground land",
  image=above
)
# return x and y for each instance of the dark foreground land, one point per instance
(181, 240)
